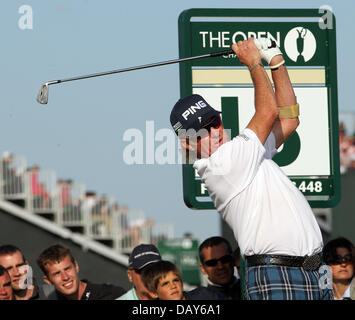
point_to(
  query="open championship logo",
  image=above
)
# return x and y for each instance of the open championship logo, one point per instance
(300, 44)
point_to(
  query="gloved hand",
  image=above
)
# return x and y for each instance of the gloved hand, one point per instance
(266, 53)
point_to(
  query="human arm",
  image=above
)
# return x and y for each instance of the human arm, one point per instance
(266, 111)
(285, 96)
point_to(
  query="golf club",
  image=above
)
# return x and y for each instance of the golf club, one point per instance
(42, 96)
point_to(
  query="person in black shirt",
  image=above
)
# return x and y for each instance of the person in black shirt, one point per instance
(62, 271)
(217, 262)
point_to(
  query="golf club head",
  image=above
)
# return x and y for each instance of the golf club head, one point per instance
(42, 96)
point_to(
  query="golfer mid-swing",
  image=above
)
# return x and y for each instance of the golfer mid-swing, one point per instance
(272, 221)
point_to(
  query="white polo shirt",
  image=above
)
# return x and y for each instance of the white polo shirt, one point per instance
(265, 210)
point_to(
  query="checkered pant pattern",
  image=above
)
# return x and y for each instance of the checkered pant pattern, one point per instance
(269, 282)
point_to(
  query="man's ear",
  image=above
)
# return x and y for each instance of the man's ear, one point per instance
(46, 280)
(202, 268)
(153, 295)
(129, 275)
(76, 267)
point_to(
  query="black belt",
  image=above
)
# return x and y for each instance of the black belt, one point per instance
(307, 262)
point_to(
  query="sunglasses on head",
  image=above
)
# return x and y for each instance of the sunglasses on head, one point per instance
(342, 259)
(213, 262)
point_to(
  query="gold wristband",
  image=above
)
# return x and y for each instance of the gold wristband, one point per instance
(289, 112)
(255, 65)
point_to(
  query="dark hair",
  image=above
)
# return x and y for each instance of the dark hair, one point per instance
(53, 254)
(210, 242)
(152, 273)
(9, 249)
(330, 249)
(3, 271)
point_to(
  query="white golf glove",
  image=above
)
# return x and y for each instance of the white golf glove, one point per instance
(267, 53)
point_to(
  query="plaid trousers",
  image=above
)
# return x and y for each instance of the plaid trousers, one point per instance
(270, 282)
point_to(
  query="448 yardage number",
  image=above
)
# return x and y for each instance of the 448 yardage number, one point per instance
(309, 186)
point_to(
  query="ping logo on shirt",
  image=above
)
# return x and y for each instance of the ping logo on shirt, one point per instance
(192, 109)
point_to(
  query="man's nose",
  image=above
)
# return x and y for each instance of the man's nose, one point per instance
(16, 271)
(64, 275)
(219, 264)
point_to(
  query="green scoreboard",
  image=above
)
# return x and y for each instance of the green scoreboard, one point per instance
(310, 157)
(183, 252)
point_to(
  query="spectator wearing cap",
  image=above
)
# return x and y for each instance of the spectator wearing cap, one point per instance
(140, 257)
(338, 254)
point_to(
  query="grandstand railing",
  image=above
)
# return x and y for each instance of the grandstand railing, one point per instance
(68, 201)
(12, 170)
(40, 189)
(99, 218)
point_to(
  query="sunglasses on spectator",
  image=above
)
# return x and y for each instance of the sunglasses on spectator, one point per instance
(342, 259)
(213, 262)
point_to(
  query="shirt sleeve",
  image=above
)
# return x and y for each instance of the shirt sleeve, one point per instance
(270, 146)
(232, 167)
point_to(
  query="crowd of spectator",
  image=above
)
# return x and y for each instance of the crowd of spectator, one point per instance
(151, 277)
(346, 149)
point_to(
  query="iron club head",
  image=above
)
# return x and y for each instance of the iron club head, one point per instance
(42, 96)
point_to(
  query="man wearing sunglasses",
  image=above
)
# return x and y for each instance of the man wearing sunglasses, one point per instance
(217, 263)
(272, 221)
(338, 254)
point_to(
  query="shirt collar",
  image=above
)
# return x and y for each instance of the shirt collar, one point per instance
(229, 284)
(347, 291)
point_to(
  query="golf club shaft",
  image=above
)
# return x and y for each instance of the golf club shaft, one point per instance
(157, 64)
(42, 96)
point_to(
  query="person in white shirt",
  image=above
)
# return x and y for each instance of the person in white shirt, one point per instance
(141, 256)
(272, 221)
